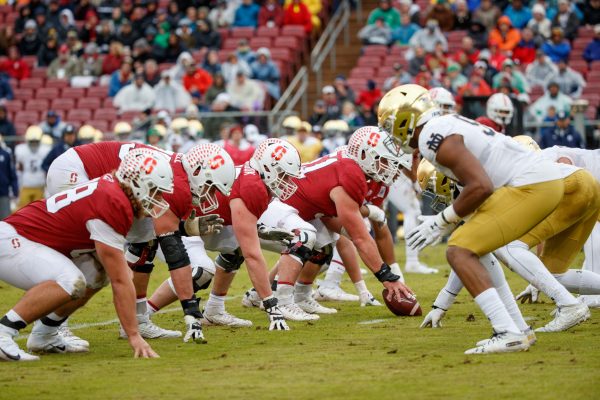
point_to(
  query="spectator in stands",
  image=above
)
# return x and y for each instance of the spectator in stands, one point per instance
(437, 61)
(562, 134)
(24, 15)
(400, 77)
(387, 12)
(237, 146)
(218, 86)
(178, 71)
(349, 114)
(90, 64)
(47, 52)
(161, 37)
(378, 33)
(7, 129)
(511, 75)
(569, 81)
(219, 124)
(368, 97)
(233, 65)
(6, 92)
(540, 24)
(137, 96)
(246, 15)
(592, 50)
(120, 78)
(244, 52)
(30, 42)
(173, 13)
(170, 95)
(343, 92)
(591, 12)
(7, 38)
(74, 44)
(265, 71)
(557, 48)
(407, 7)
(196, 79)
(88, 32)
(246, 94)
(127, 36)
(417, 62)
(518, 13)
(319, 115)
(428, 38)
(64, 66)
(9, 187)
(457, 79)
(67, 140)
(478, 33)
(113, 60)
(552, 98)
(476, 86)
(441, 12)
(173, 50)
(186, 35)
(106, 34)
(151, 72)
(211, 62)
(505, 35)
(205, 37)
(53, 14)
(566, 20)
(525, 51)
(271, 14)
(467, 51)
(67, 23)
(538, 72)
(314, 7)
(14, 66)
(332, 103)
(297, 13)
(487, 13)
(52, 125)
(462, 15)
(308, 146)
(223, 14)
(495, 56)
(82, 9)
(402, 34)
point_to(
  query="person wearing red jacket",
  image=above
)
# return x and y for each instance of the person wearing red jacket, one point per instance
(196, 79)
(15, 66)
(237, 147)
(368, 97)
(270, 14)
(298, 14)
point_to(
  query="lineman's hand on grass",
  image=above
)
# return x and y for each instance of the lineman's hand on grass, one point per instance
(529, 295)
(194, 330)
(141, 348)
(434, 318)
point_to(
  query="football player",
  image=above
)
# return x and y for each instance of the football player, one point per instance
(268, 173)
(28, 158)
(506, 192)
(443, 99)
(42, 247)
(499, 110)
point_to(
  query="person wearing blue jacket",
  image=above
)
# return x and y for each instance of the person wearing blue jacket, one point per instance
(246, 14)
(518, 13)
(562, 134)
(8, 180)
(6, 92)
(557, 48)
(68, 140)
(592, 50)
(264, 70)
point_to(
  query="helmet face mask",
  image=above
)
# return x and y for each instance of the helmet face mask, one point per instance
(499, 109)
(277, 161)
(376, 153)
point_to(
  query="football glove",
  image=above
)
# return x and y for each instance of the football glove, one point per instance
(204, 225)
(276, 320)
(429, 233)
(274, 234)
(376, 214)
(529, 295)
(194, 330)
(433, 318)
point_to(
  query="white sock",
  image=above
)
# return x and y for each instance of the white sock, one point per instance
(493, 308)
(302, 292)
(11, 323)
(284, 293)
(396, 270)
(361, 287)
(215, 304)
(518, 258)
(333, 277)
(511, 306)
(152, 308)
(591, 249)
(141, 306)
(580, 281)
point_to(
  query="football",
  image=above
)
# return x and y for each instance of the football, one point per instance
(402, 306)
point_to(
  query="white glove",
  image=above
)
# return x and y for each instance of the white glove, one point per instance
(433, 318)
(529, 295)
(429, 233)
(276, 320)
(194, 330)
(274, 234)
(376, 214)
(204, 225)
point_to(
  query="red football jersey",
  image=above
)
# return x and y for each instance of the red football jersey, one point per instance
(492, 124)
(312, 200)
(250, 188)
(59, 222)
(376, 193)
(180, 201)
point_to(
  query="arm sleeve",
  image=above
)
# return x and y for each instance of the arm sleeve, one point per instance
(100, 231)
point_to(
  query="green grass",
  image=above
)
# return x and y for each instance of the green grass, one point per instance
(335, 357)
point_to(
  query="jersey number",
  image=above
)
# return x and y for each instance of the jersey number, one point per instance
(63, 199)
(485, 129)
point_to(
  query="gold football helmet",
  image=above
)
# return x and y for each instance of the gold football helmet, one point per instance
(527, 142)
(178, 125)
(404, 108)
(435, 185)
(86, 134)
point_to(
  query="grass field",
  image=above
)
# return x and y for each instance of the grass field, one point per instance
(359, 353)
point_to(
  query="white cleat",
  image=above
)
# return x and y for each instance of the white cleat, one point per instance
(531, 338)
(252, 299)
(418, 268)
(71, 338)
(336, 293)
(10, 351)
(225, 319)
(566, 317)
(367, 299)
(504, 342)
(149, 330)
(592, 301)
(292, 312)
(52, 343)
(311, 306)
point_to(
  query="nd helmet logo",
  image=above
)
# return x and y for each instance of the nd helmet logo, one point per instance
(278, 153)
(373, 139)
(216, 162)
(149, 164)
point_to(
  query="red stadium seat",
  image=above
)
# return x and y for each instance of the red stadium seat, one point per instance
(372, 62)
(10, 19)
(375, 51)
(394, 59)
(79, 115)
(31, 83)
(5, 9)
(57, 83)
(21, 127)
(362, 72)
(63, 104)
(46, 93)
(129, 115)
(294, 30)
(257, 42)
(100, 92)
(265, 31)
(580, 66)
(41, 105)
(102, 125)
(23, 94)
(239, 33)
(72, 93)
(91, 103)
(398, 50)
(13, 105)
(224, 32)
(230, 44)
(39, 72)
(30, 60)
(107, 114)
(289, 42)
(385, 72)
(27, 117)
(107, 103)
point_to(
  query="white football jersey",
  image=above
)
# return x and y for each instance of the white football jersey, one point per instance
(32, 175)
(505, 161)
(587, 159)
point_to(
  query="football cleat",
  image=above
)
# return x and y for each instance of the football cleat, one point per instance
(335, 293)
(149, 330)
(52, 342)
(10, 351)
(367, 299)
(252, 299)
(592, 301)
(531, 338)
(566, 317)
(292, 312)
(503, 342)
(418, 268)
(311, 306)
(66, 333)
(225, 319)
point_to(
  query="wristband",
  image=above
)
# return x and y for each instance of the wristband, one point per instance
(191, 307)
(270, 302)
(449, 216)
(182, 228)
(385, 274)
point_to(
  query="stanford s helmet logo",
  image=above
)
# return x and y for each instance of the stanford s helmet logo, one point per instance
(149, 164)
(278, 153)
(216, 162)
(373, 139)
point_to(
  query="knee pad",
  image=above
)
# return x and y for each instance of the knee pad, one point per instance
(322, 256)
(140, 256)
(230, 262)
(301, 246)
(201, 278)
(174, 250)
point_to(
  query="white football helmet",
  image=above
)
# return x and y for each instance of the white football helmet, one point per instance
(149, 175)
(208, 167)
(277, 161)
(443, 99)
(371, 148)
(500, 109)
